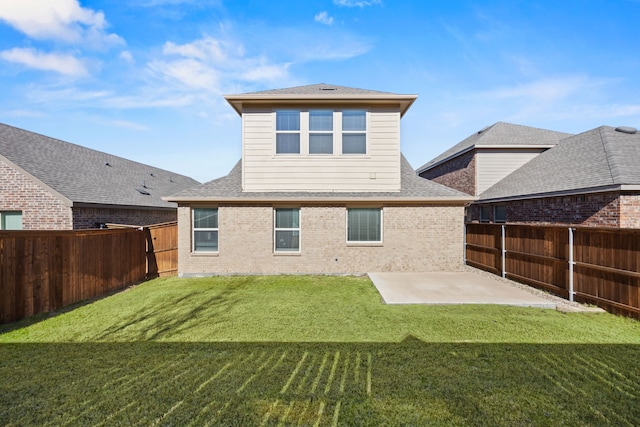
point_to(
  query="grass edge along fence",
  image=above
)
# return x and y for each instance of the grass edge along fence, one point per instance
(41, 271)
(592, 265)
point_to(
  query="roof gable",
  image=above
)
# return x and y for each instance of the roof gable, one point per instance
(599, 158)
(321, 93)
(86, 176)
(500, 134)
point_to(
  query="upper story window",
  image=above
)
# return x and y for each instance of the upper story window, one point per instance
(354, 132)
(320, 132)
(287, 132)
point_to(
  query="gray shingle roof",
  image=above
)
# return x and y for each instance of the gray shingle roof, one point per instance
(229, 188)
(83, 176)
(601, 157)
(317, 89)
(500, 134)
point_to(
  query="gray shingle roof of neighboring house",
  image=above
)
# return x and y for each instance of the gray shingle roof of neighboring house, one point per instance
(413, 188)
(80, 175)
(319, 94)
(500, 135)
(599, 159)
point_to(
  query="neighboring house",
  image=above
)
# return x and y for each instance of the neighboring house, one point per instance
(48, 184)
(488, 155)
(589, 179)
(322, 187)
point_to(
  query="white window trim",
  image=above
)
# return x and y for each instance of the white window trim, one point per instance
(194, 229)
(302, 132)
(332, 132)
(360, 242)
(367, 125)
(299, 230)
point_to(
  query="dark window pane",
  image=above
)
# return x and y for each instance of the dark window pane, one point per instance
(287, 240)
(321, 120)
(287, 120)
(205, 218)
(354, 120)
(205, 241)
(288, 218)
(320, 143)
(288, 143)
(354, 143)
(364, 225)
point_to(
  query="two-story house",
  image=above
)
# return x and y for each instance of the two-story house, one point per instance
(322, 187)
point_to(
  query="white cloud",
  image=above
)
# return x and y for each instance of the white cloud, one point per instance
(356, 3)
(60, 63)
(323, 18)
(209, 63)
(126, 56)
(63, 20)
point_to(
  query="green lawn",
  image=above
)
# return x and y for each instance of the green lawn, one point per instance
(301, 350)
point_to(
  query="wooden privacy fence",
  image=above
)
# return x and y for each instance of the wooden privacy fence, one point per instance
(41, 271)
(592, 265)
(162, 250)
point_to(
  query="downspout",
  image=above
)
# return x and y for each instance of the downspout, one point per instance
(504, 251)
(571, 264)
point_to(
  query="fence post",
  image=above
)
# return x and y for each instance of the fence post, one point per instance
(504, 251)
(464, 246)
(571, 264)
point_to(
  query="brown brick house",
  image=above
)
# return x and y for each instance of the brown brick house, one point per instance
(589, 179)
(49, 184)
(487, 156)
(322, 187)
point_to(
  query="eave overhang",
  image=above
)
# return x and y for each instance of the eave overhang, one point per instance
(238, 102)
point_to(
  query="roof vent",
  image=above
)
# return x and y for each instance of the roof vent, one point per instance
(627, 129)
(328, 88)
(107, 164)
(143, 192)
(483, 129)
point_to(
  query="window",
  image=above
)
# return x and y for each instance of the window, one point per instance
(354, 132)
(500, 213)
(11, 220)
(287, 132)
(205, 230)
(320, 132)
(364, 225)
(286, 234)
(484, 213)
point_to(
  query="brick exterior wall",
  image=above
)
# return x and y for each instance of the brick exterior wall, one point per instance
(589, 210)
(458, 173)
(40, 209)
(630, 210)
(414, 239)
(84, 218)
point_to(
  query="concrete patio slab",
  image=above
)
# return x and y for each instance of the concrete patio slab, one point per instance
(452, 288)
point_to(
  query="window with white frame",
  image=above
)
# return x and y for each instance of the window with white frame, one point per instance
(364, 225)
(286, 230)
(205, 230)
(287, 132)
(11, 220)
(354, 132)
(500, 213)
(485, 213)
(320, 132)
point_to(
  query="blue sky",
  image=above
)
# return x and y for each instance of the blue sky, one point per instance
(144, 79)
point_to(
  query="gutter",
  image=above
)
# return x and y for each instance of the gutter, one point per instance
(573, 192)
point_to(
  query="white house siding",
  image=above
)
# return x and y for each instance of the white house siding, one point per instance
(378, 170)
(494, 164)
(415, 238)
